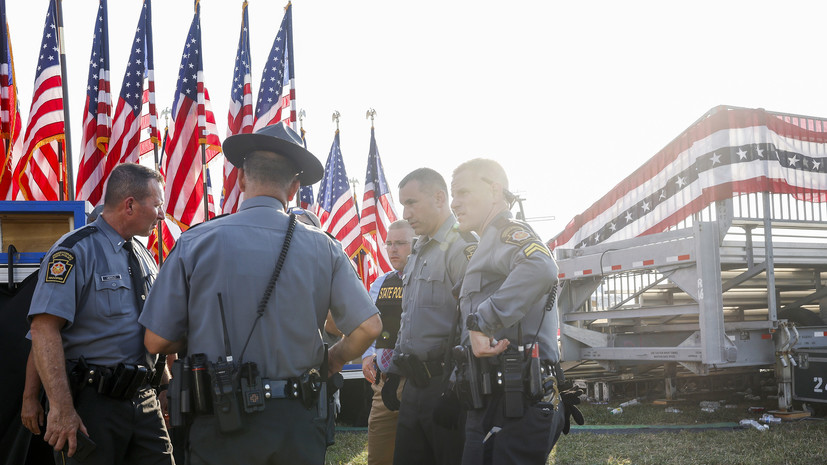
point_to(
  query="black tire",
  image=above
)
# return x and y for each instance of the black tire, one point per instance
(800, 316)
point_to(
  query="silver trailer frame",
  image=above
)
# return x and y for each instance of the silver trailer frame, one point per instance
(706, 295)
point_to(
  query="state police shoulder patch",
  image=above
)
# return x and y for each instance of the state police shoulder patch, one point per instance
(517, 235)
(59, 267)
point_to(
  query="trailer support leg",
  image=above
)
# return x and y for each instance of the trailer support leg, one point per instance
(670, 371)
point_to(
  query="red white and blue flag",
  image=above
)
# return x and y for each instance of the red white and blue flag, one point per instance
(10, 121)
(193, 124)
(377, 208)
(135, 127)
(40, 172)
(337, 209)
(276, 93)
(731, 151)
(240, 115)
(97, 123)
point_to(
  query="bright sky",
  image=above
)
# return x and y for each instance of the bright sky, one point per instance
(570, 97)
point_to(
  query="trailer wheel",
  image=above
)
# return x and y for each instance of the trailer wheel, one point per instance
(800, 316)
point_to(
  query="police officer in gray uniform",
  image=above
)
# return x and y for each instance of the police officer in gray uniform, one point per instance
(503, 297)
(429, 318)
(84, 315)
(227, 263)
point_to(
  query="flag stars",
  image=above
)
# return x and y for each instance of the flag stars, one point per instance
(629, 216)
(645, 206)
(715, 159)
(742, 155)
(759, 152)
(792, 160)
(816, 165)
(681, 182)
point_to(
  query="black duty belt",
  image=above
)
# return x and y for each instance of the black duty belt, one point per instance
(122, 381)
(419, 372)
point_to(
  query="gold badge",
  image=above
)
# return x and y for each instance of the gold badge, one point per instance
(60, 265)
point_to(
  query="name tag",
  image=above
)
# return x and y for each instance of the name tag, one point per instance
(110, 277)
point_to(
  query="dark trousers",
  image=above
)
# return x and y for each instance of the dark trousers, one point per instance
(284, 433)
(124, 431)
(527, 440)
(418, 439)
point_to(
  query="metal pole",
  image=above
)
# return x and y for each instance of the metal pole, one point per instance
(67, 162)
(160, 226)
(204, 180)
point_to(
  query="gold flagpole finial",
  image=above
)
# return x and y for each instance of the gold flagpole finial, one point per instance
(302, 115)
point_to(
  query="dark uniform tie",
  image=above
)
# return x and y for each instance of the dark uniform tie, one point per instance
(136, 272)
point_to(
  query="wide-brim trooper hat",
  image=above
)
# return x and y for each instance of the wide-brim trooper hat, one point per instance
(282, 140)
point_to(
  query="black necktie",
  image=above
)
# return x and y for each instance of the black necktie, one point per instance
(136, 272)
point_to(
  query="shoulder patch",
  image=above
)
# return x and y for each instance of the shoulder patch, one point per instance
(75, 237)
(536, 246)
(59, 267)
(469, 251)
(517, 235)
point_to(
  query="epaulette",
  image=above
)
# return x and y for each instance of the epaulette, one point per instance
(76, 236)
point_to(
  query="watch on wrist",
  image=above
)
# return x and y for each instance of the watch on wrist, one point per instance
(472, 323)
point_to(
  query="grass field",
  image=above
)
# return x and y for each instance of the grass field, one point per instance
(801, 442)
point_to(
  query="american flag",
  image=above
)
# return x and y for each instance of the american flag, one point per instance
(337, 210)
(193, 123)
(130, 140)
(39, 172)
(305, 192)
(377, 208)
(171, 232)
(730, 151)
(276, 93)
(10, 121)
(240, 116)
(210, 199)
(97, 123)
(170, 229)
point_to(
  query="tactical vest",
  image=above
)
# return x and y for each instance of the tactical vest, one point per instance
(389, 304)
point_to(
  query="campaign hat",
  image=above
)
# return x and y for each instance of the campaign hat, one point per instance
(280, 139)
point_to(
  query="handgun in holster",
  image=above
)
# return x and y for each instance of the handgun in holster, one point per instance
(78, 376)
(468, 382)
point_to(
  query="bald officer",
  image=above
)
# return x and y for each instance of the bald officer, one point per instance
(84, 316)
(229, 262)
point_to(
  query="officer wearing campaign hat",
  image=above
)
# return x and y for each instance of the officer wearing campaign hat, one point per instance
(230, 262)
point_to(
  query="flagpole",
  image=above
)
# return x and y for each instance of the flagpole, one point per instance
(302, 114)
(160, 226)
(204, 180)
(67, 146)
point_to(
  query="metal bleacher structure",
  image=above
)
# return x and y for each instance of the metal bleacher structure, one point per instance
(722, 289)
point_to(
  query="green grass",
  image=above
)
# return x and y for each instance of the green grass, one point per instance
(791, 443)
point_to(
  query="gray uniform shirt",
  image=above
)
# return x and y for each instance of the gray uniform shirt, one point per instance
(507, 282)
(235, 255)
(87, 283)
(429, 308)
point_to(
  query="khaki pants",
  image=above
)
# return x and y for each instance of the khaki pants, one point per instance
(382, 427)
